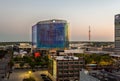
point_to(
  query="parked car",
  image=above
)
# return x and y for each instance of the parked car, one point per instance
(45, 77)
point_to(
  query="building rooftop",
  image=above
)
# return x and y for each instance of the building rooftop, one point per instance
(115, 55)
(52, 21)
(66, 58)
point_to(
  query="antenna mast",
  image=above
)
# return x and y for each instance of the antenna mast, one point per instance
(89, 34)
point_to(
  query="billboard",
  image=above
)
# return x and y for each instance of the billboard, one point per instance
(37, 54)
(51, 35)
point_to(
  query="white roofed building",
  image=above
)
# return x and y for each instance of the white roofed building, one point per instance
(67, 68)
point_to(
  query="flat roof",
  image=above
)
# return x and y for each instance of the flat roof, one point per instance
(115, 55)
(52, 21)
(66, 58)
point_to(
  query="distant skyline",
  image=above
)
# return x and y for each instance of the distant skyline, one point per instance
(18, 16)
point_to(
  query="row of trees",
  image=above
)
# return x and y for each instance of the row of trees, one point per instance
(32, 61)
(97, 59)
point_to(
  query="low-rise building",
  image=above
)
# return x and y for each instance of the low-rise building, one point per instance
(67, 68)
(84, 76)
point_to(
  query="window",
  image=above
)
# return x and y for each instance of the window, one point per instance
(60, 76)
(60, 67)
(81, 62)
(60, 72)
(66, 80)
(76, 62)
(70, 62)
(76, 71)
(61, 80)
(77, 66)
(65, 67)
(71, 71)
(71, 75)
(60, 63)
(76, 75)
(65, 62)
(66, 71)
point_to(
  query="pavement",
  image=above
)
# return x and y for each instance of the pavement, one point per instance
(19, 75)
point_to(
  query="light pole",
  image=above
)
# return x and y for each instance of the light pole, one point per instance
(29, 73)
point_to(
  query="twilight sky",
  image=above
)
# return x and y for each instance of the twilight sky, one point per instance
(17, 17)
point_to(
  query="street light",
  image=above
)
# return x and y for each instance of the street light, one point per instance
(29, 73)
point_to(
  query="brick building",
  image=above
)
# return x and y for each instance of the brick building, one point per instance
(67, 68)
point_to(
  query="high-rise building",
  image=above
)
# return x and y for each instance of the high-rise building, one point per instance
(50, 34)
(66, 68)
(117, 33)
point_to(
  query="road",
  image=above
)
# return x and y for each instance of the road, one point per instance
(111, 76)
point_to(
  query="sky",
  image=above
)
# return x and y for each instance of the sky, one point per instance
(18, 16)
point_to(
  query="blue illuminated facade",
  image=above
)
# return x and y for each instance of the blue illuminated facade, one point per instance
(50, 34)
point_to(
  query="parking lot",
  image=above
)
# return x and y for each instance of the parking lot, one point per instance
(19, 75)
(45, 77)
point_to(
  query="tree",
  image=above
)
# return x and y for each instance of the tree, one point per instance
(27, 59)
(21, 64)
(32, 64)
(17, 59)
(11, 63)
